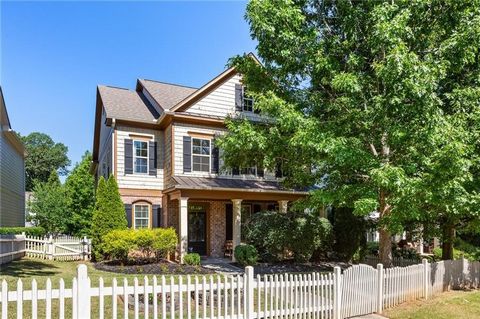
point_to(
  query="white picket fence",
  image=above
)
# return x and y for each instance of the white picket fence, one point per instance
(360, 290)
(396, 261)
(63, 248)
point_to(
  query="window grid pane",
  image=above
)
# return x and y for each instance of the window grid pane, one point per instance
(142, 217)
(201, 155)
(140, 157)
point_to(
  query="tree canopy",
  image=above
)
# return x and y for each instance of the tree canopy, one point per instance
(374, 101)
(49, 205)
(43, 156)
(80, 192)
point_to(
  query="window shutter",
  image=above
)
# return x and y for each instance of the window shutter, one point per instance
(128, 156)
(156, 217)
(235, 170)
(187, 154)
(260, 172)
(152, 158)
(128, 213)
(238, 97)
(215, 162)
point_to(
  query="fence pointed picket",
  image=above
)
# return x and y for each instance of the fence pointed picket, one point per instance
(180, 297)
(219, 298)
(164, 298)
(225, 296)
(125, 298)
(155, 297)
(48, 299)
(34, 299)
(146, 302)
(61, 299)
(19, 299)
(189, 299)
(114, 298)
(211, 293)
(172, 298)
(135, 298)
(204, 297)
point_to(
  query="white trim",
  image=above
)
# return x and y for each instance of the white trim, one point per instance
(142, 157)
(201, 155)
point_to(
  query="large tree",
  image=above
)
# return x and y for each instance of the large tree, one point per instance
(80, 192)
(49, 205)
(360, 96)
(43, 156)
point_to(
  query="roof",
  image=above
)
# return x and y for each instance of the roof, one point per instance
(206, 183)
(124, 104)
(165, 94)
(6, 128)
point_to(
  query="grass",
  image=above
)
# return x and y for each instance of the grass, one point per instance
(452, 304)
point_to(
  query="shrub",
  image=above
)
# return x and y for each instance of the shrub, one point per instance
(246, 255)
(30, 231)
(192, 259)
(144, 240)
(267, 231)
(109, 213)
(118, 243)
(310, 233)
(165, 241)
(349, 231)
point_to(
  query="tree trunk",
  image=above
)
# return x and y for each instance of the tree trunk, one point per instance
(385, 237)
(447, 242)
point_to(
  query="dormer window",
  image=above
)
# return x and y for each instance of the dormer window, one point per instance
(247, 101)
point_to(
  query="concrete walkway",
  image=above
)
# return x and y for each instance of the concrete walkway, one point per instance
(222, 266)
(370, 316)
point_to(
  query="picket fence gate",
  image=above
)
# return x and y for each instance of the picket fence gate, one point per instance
(360, 290)
(62, 248)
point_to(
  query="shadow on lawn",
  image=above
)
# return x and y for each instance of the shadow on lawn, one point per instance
(28, 268)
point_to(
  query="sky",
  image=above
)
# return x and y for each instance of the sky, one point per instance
(54, 54)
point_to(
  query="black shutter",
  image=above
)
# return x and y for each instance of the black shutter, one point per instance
(278, 170)
(215, 162)
(187, 154)
(260, 172)
(128, 156)
(257, 208)
(238, 97)
(156, 217)
(235, 170)
(128, 213)
(152, 158)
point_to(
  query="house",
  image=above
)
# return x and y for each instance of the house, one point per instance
(12, 173)
(158, 141)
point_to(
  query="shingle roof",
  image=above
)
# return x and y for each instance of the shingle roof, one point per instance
(187, 182)
(165, 94)
(126, 104)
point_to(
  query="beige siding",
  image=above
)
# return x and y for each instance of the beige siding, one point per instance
(140, 181)
(168, 156)
(181, 130)
(12, 185)
(221, 102)
(105, 153)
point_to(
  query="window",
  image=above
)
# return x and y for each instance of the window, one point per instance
(247, 101)
(201, 155)
(141, 216)
(140, 157)
(248, 170)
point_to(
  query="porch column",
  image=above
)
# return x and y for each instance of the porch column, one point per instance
(183, 225)
(282, 206)
(237, 224)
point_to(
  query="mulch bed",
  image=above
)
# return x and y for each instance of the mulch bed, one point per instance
(293, 267)
(158, 268)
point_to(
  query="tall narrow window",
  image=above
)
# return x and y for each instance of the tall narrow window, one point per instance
(140, 157)
(141, 216)
(247, 101)
(201, 155)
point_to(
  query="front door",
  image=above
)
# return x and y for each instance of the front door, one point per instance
(197, 229)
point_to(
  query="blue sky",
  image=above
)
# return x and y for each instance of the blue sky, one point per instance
(54, 54)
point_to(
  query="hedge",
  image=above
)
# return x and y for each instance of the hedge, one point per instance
(30, 231)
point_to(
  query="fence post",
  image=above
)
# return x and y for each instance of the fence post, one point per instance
(337, 292)
(85, 248)
(50, 247)
(249, 290)
(83, 292)
(380, 277)
(425, 278)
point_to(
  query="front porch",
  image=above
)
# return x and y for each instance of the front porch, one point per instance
(205, 219)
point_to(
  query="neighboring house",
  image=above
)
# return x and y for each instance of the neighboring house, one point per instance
(159, 143)
(12, 173)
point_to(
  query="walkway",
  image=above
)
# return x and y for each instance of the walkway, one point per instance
(222, 266)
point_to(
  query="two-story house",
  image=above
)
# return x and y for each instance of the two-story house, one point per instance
(158, 141)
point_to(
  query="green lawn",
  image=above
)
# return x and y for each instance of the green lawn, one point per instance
(452, 304)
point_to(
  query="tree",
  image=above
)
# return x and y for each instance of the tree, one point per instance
(80, 192)
(109, 213)
(360, 96)
(49, 205)
(43, 156)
